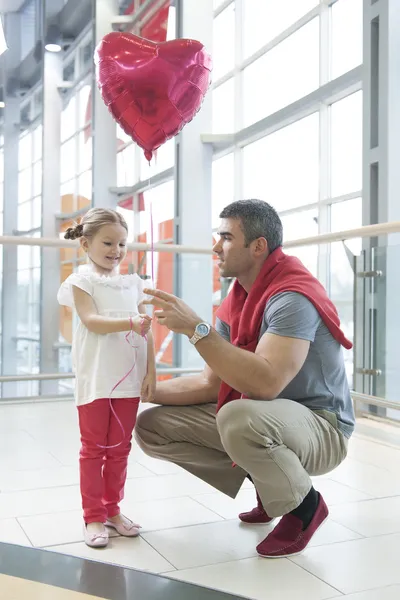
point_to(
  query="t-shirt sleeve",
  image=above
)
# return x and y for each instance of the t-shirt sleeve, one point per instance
(65, 295)
(223, 329)
(292, 315)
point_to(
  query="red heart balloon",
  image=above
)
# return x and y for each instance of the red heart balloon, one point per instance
(152, 89)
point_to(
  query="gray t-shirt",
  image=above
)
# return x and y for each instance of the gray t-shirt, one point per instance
(321, 383)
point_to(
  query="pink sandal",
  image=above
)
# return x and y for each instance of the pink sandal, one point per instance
(128, 529)
(95, 540)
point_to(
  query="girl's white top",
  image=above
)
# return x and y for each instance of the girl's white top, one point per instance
(100, 361)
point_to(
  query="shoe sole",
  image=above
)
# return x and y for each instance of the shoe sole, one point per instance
(257, 524)
(295, 553)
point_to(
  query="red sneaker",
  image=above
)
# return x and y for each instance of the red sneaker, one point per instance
(257, 516)
(288, 539)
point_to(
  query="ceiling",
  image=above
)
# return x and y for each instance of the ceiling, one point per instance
(11, 5)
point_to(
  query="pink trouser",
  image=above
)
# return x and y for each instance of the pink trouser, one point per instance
(103, 470)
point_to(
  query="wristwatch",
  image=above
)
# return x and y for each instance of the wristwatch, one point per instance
(202, 330)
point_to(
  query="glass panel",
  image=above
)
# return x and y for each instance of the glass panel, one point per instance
(25, 216)
(263, 20)
(300, 225)
(347, 36)
(283, 75)
(37, 178)
(85, 185)
(68, 120)
(222, 186)
(223, 106)
(25, 185)
(345, 215)
(37, 143)
(68, 154)
(84, 105)
(25, 151)
(37, 212)
(224, 42)
(163, 159)
(346, 145)
(85, 152)
(267, 163)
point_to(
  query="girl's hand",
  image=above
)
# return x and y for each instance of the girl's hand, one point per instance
(141, 324)
(148, 390)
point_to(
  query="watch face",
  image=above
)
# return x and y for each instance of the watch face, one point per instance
(202, 329)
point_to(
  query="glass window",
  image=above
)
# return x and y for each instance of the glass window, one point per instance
(283, 168)
(222, 185)
(85, 185)
(37, 212)
(84, 105)
(25, 216)
(341, 271)
(24, 257)
(37, 143)
(126, 165)
(347, 36)
(263, 20)
(37, 178)
(300, 225)
(68, 155)
(68, 119)
(283, 75)
(223, 108)
(171, 26)
(25, 185)
(25, 151)
(346, 145)
(85, 152)
(163, 159)
(224, 42)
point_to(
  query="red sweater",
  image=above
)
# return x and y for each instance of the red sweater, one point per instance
(244, 312)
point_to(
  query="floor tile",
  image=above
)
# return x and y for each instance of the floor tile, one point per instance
(135, 553)
(11, 532)
(187, 547)
(336, 493)
(386, 593)
(227, 507)
(355, 566)
(166, 514)
(260, 579)
(36, 502)
(371, 518)
(55, 529)
(366, 478)
(165, 486)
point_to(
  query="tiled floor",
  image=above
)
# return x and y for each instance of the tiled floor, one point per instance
(190, 532)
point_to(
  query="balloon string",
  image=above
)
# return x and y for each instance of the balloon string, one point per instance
(129, 339)
(152, 243)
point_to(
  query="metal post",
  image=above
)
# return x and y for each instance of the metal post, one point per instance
(103, 126)
(10, 215)
(193, 276)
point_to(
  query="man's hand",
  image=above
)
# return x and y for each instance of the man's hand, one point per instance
(173, 312)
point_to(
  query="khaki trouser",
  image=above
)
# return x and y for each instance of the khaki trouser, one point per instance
(280, 443)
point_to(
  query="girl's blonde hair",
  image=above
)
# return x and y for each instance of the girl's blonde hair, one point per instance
(93, 221)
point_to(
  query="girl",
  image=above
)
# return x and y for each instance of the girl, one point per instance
(109, 341)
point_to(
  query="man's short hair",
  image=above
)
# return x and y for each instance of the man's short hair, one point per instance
(257, 219)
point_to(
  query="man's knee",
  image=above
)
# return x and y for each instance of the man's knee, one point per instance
(233, 421)
(145, 426)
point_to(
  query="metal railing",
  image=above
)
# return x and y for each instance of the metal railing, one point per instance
(326, 238)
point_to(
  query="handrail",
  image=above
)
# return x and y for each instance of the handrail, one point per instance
(323, 238)
(347, 234)
(375, 401)
(58, 376)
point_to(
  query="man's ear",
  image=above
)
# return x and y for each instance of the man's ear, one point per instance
(260, 246)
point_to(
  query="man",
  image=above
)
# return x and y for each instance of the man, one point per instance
(275, 365)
